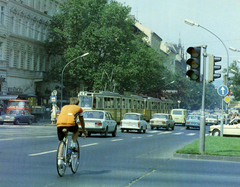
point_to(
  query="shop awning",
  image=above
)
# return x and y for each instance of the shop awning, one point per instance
(8, 97)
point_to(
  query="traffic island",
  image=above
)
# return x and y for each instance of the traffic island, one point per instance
(216, 148)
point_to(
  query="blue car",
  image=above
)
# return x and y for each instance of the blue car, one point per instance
(193, 121)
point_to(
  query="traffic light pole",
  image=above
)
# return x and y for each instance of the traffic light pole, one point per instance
(202, 122)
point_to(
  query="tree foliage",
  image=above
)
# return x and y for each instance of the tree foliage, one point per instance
(118, 57)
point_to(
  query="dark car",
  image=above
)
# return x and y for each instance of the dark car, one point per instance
(16, 117)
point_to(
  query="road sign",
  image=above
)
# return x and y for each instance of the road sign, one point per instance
(222, 90)
(53, 99)
(226, 99)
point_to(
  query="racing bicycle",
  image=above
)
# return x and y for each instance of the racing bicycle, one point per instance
(66, 157)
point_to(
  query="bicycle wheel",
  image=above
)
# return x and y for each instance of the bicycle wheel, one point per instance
(75, 159)
(61, 158)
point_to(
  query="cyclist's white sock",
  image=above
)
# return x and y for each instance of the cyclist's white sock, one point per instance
(74, 144)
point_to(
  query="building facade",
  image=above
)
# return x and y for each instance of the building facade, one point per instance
(23, 61)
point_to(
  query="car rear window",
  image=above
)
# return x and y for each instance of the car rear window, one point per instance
(176, 112)
(159, 116)
(131, 116)
(93, 114)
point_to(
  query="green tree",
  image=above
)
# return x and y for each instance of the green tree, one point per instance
(234, 81)
(118, 57)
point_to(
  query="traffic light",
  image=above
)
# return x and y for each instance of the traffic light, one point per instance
(212, 68)
(195, 63)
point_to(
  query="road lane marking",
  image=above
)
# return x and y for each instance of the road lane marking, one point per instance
(191, 134)
(116, 140)
(136, 137)
(178, 133)
(149, 135)
(6, 139)
(42, 153)
(47, 152)
(46, 136)
(153, 131)
(88, 145)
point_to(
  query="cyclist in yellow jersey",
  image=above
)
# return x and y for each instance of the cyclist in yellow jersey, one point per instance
(67, 119)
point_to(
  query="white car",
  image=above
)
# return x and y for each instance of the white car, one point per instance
(233, 128)
(162, 120)
(211, 119)
(99, 121)
(133, 121)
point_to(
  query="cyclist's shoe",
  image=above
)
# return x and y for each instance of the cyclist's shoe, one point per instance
(60, 162)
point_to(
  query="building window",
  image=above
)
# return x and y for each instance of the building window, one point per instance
(33, 3)
(12, 24)
(1, 51)
(33, 30)
(39, 33)
(26, 2)
(32, 62)
(20, 27)
(19, 60)
(25, 61)
(2, 15)
(11, 58)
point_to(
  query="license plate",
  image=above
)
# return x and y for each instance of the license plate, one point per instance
(89, 123)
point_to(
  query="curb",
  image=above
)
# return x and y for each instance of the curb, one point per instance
(207, 157)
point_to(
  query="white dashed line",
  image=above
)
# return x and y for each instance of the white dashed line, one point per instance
(116, 140)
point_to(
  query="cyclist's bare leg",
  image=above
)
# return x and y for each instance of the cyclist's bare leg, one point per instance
(75, 136)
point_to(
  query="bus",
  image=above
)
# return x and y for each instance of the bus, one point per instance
(18, 104)
(118, 104)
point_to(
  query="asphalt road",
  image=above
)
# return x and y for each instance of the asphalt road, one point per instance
(28, 154)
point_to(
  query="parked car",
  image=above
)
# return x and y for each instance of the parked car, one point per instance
(233, 128)
(211, 119)
(193, 121)
(162, 120)
(99, 121)
(133, 121)
(16, 117)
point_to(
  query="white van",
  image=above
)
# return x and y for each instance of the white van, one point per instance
(179, 116)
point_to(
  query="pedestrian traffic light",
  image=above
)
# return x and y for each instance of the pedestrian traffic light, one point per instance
(212, 68)
(195, 63)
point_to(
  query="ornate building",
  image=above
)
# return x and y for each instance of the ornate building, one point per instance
(23, 29)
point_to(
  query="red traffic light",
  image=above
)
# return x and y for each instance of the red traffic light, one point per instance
(194, 51)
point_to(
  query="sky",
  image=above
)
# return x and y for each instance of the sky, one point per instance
(166, 19)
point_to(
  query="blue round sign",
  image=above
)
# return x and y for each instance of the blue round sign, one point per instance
(222, 90)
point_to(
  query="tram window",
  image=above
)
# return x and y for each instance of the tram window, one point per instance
(99, 102)
(123, 103)
(85, 101)
(112, 103)
(118, 103)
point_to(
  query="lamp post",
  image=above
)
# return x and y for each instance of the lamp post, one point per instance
(234, 49)
(63, 72)
(195, 24)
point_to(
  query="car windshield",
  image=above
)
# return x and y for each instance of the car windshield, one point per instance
(194, 117)
(176, 112)
(131, 116)
(93, 114)
(159, 116)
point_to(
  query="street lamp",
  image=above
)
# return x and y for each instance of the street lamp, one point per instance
(195, 24)
(63, 71)
(169, 83)
(234, 49)
(233, 70)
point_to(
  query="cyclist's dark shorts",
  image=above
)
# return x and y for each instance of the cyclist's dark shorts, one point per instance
(70, 129)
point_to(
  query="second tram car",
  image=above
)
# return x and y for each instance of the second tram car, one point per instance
(118, 104)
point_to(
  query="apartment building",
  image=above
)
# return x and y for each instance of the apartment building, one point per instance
(23, 61)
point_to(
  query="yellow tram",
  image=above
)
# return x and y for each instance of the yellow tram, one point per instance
(118, 104)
